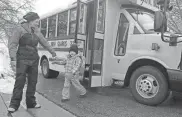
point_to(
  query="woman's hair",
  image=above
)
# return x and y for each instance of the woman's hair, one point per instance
(31, 16)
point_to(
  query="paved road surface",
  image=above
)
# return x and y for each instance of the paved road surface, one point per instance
(109, 103)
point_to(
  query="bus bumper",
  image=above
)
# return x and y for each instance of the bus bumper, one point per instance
(175, 80)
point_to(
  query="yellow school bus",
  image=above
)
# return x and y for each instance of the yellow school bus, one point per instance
(121, 47)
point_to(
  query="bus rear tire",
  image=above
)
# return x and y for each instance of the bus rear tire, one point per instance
(46, 72)
(149, 86)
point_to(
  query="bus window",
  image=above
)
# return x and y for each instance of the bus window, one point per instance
(82, 19)
(62, 23)
(145, 19)
(100, 16)
(52, 26)
(136, 31)
(44, 26)
(98, 54)
(73, 21)
(122, 34)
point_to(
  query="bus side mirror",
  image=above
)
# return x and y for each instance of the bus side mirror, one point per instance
(161, 3)
(160, 22)
(173, 40)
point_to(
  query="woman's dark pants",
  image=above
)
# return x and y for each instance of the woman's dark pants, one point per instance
(25, 68)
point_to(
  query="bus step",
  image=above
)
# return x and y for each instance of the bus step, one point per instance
(85, 82)
(117, 83)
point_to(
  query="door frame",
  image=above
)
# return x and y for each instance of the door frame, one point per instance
(94, 80)
(91, 29)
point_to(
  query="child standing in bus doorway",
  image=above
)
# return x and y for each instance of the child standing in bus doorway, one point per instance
(72, 72)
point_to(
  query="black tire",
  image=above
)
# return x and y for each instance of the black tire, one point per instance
(46, 72)
(162, 93)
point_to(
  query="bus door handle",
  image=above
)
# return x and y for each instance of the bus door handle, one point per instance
(155, 46)
(118, 60)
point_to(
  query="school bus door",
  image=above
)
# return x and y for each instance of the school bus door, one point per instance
(95, 46)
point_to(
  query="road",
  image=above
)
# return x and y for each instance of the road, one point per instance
(107, 103)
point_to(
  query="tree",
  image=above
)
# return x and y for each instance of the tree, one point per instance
(11, 13)
(175, 16)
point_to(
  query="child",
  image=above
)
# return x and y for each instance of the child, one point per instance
(72, 71)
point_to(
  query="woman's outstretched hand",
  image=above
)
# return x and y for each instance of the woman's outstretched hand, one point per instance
(56, 62)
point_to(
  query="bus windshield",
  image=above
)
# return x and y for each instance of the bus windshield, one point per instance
(144, 18)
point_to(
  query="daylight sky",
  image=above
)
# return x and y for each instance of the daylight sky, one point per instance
(45, 6)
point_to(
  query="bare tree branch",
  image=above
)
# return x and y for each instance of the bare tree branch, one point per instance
(10, 15)
(175, 18)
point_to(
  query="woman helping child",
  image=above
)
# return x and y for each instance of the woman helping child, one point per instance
(73, 63)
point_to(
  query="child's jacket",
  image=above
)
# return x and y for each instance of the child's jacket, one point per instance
(73, 64)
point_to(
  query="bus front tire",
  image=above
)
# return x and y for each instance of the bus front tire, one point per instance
(46, 72)
(149, 86)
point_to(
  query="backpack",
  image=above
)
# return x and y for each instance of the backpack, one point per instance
(82, 66)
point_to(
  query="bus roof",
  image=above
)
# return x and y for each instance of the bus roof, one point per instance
(124, 3)
(140, 4)
(54, 12)
(59, 10)
(135, 6)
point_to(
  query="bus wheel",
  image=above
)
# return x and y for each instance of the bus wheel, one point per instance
(149, 86)
(46, 72)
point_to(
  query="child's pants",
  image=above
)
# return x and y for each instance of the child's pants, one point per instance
(76, 83)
